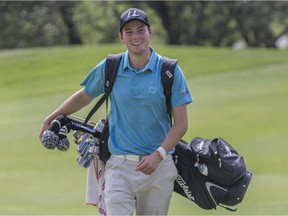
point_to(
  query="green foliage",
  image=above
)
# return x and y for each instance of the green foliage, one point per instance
(205, 23)
(30, 24)
(238, 95)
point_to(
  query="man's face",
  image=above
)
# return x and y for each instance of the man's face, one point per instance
(136, 35)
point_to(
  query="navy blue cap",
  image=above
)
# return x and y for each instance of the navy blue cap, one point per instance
(133, 14)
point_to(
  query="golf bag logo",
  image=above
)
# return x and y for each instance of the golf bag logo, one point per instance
(185, 188)
(209, 185)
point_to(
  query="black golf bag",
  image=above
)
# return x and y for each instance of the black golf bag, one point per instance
(195, 178)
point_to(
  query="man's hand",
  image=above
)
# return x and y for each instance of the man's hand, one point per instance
(149, 164)
(43, 128)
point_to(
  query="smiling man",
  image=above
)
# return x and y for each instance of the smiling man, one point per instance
(140, 173)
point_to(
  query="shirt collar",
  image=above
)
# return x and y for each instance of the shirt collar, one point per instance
(149, 66)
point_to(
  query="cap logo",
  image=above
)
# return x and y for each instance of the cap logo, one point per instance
(134, 14)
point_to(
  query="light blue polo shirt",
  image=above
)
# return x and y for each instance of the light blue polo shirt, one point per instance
(138, 119)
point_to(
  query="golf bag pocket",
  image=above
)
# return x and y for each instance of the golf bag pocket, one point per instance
(218, 160)
(237, 191)
(104, 153)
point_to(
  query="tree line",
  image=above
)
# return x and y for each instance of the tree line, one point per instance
(202, 23)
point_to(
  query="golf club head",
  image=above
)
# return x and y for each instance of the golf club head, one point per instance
(58, 123)
(83, 148)
(49, 139)
(85, 161)
(77, 136)
(63, 144)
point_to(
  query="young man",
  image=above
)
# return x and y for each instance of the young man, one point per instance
(140, 173)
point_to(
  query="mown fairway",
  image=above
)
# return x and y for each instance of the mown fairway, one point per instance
(241, 96)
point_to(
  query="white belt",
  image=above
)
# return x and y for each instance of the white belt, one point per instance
(129, 157)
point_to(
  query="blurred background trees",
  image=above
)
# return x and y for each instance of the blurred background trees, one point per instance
(203, 23)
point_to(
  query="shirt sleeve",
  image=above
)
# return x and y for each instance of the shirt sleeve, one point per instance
(94, 82)
(180, 92)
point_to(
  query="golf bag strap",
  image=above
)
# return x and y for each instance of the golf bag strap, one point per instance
(111, 68)
(167, 79)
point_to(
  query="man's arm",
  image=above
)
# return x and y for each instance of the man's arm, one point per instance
(73, 104)
(150, 163)
(178, 128)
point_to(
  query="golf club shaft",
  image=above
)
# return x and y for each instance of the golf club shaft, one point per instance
(81, 120)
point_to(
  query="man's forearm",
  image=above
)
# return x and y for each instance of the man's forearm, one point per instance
(73, 104)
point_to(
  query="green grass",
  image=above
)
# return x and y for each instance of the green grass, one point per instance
(241, 96)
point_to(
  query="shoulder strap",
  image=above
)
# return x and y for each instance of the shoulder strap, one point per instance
(167, 78)
(111, 68)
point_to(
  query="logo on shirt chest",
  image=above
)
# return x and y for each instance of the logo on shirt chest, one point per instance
(152, 90)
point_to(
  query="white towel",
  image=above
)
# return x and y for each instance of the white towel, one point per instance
(95, 185)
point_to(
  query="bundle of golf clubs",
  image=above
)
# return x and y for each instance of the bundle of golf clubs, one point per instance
(86, 136)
